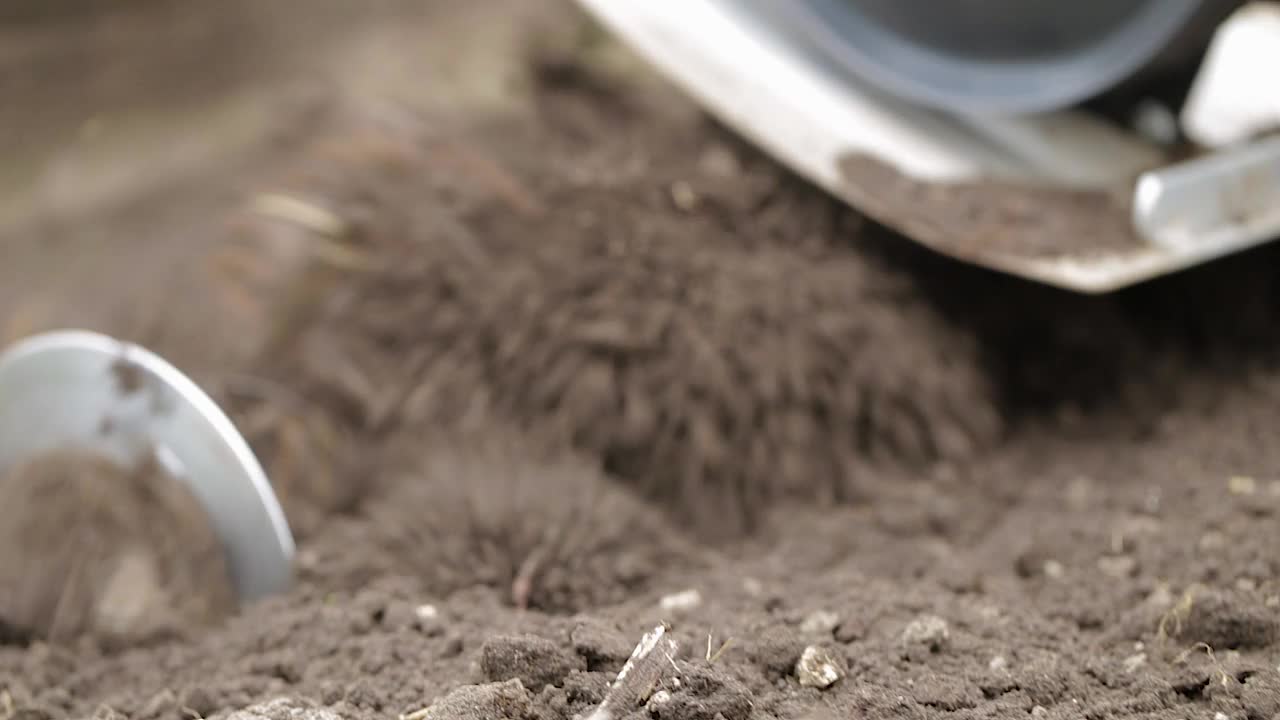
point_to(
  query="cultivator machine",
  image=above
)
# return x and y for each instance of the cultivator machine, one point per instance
(1089, 145)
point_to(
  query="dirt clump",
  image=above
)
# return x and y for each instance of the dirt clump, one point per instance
(91, 548)
(507, 699)
(1223, 620)
(534, 661)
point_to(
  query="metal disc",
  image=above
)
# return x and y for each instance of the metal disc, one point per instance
(990, 57)
(83, 390)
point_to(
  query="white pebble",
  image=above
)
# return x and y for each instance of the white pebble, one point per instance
(1242, 485)
(928, 630)
(1133, 662)
(1039, 711)
(1054, 569)
(997, 664)
(686, 600)
(820, 622)
(1220, 716)
(657, 700)
(1212, 540)
(818, 668)
(684, 196)
(426, 612)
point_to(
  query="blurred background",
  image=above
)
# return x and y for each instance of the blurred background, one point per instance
(132, 131)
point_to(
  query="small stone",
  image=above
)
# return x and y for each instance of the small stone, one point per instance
(819, 668)
(1221, 716)
(426, 613)
(998, 664)
(684, 196)
(479, 702)
(1212, 540)
(534, 661)
(133, 596)
(820, 622)
(657, 701)
(1039, 711)
(1054, 569)
(1117, 566)
(1242, 485)
(681, 601)
(1135, 661)
(928, 632)
(283, 709)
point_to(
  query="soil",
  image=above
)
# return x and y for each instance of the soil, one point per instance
(95, 550)
(982, 219)
(534, 382)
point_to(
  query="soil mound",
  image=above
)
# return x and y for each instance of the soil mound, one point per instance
(656, 313)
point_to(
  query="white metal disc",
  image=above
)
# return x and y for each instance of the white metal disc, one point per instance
(83, 390)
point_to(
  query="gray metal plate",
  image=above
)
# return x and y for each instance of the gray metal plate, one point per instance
(77, 389)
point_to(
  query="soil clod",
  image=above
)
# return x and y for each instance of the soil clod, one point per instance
(534, 661)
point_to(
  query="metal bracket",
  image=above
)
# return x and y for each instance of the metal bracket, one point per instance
(1213, 204)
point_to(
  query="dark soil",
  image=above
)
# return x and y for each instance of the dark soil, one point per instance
(544, 381)
(92, 549)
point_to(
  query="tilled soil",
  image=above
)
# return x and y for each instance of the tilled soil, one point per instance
(536, 385)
